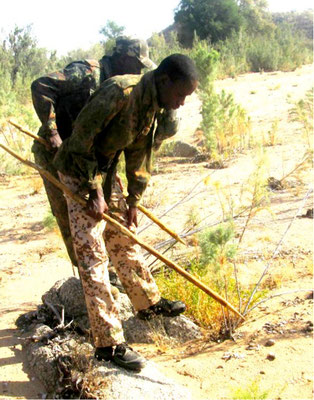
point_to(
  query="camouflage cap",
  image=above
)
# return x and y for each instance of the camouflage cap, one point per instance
(134, 48)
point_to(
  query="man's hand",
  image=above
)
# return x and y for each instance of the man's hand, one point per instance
(54, 141)
(132, 218)
(96, 204)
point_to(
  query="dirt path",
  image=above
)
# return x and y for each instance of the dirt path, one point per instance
(32, 259)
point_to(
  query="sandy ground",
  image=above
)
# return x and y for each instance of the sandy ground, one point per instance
(32, 259)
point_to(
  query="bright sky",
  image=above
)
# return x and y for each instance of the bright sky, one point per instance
(66, 25)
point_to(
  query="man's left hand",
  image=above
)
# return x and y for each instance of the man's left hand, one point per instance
(132, 218)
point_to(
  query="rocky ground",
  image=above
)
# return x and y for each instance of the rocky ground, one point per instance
(272, 351)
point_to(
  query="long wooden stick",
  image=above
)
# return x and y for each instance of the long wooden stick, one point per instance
(125, 231)
(140, 207)
(160, 224)
(20, 128)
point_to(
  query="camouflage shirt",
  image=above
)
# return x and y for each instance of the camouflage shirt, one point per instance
(59, 97)
(121, 115)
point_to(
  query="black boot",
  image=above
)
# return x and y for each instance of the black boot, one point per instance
(123, 355)
(104, 353)
(164, 307)
(126, 357)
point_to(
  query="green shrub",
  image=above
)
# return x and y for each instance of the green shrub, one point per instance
(206, 59)
(215, 247)
(225, 124)
(233, 55)
(160, 48)
(283, 49)
(251, 392)
(263, 54)
(204, 56)
(213, 269)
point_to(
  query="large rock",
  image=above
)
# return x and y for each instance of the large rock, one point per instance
(69, 294)
(64, 361)
(42, 358)
(182, 149)
(67, 368)
(149, 384)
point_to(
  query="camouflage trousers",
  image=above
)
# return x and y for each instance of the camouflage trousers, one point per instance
(91, 239)
(56, 198)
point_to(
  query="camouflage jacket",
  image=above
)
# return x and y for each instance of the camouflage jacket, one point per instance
(122, 115)
(59, 97)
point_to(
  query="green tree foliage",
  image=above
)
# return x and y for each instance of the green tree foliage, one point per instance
(21, 50)
(160, 48)
(301, 22)
(216, 247)
(111, 30)
(256, 18)
(95, 52)
(204, 56)
(21, 61)
(206, 59)
(225, 125)
(209, 19)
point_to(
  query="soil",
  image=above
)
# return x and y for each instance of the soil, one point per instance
(32, 258)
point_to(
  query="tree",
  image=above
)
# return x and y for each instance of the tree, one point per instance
(299, 21)
(257, 18)
(21, 48)
(94, 52)
(112, 30)
(209, 19)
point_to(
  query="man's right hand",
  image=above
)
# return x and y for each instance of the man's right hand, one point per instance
(54, 141)
(96, 204)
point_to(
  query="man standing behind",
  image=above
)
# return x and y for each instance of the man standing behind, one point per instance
(119, 116)
(59, 97)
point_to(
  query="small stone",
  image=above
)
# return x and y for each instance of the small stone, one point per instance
(220, 367)
(262, 372)
(270, 342)
(271, 356)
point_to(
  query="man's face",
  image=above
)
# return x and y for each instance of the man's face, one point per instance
(171, 95)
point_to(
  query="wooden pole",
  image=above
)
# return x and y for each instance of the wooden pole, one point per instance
(125, 231)
(20, 128)
(160, 224)
(140, 207)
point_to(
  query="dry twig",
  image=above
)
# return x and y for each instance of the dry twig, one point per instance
(280, 294)
(246, 309)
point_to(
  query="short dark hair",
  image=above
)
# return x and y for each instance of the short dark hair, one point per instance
(178, 67)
